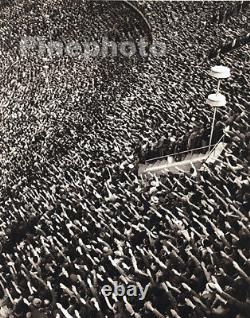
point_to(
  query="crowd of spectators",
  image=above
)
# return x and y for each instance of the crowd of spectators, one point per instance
(74, 214)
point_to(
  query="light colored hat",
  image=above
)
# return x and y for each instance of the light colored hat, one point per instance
(37, 302)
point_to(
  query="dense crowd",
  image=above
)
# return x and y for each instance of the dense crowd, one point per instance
(74, 214)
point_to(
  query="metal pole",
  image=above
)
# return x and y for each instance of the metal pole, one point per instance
(212, 129)
(215, 110)
(218, 87)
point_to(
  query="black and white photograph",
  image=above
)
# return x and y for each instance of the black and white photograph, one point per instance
(124, 159)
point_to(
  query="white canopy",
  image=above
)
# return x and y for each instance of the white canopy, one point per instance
(216, 100)
(220, 71)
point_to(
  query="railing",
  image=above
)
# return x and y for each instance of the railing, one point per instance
(189, 151)
(222, 138)
(174, 155)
